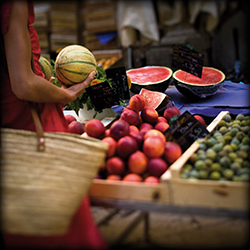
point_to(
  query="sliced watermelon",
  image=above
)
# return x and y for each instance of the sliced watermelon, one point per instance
(157, 100)
(150, 77)
(192, 86)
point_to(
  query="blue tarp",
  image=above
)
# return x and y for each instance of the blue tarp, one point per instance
(232, 97)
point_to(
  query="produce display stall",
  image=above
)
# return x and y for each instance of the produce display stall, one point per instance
(176, 195)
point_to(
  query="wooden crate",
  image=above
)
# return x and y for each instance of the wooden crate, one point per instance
(91, 41)
(220, 195)
(108, 54)
(99, 17)
(120, 190)
(204, 193)
(59, 41)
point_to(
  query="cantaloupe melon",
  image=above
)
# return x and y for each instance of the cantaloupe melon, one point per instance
(45, 67)
(73, 64)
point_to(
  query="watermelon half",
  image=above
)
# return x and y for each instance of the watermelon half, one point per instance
(150, 77)
(194, 87)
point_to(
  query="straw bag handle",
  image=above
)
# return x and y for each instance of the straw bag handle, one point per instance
(36, 118)
(38, 127)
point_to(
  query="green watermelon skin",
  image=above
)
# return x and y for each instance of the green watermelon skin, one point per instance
(203, 88)
(154, 84)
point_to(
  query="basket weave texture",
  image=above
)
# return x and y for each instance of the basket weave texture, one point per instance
(41, 191)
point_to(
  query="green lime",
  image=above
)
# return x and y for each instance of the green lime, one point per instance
(227, 118)
(223, 130)
(240, 117)
(228, 174)
(200, 165)
(215, 166)
(215, 175)
(217, 147)
(225, 162)
(202, 174)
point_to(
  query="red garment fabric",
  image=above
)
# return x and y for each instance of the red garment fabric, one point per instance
(15, 113)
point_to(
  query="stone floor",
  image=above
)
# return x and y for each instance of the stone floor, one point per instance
(171, 231)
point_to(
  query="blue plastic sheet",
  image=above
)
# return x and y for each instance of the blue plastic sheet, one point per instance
(106, 37)
(233, 97)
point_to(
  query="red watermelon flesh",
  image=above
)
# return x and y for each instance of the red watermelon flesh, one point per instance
(149, 74)
(157, 100)
(210, 76)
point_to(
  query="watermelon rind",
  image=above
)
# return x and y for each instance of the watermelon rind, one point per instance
(157, 100)
(160, 85)
(195, 90)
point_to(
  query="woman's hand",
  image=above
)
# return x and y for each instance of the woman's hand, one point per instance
(76, 89)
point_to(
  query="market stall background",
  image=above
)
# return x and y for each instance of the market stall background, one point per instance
(145, 30)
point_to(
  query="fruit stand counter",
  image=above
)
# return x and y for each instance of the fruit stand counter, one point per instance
(174, 194)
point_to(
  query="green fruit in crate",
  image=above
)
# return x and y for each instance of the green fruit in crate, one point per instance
(224, 153)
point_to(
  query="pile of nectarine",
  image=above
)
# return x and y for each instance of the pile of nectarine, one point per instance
(74, 126)
(138, 150)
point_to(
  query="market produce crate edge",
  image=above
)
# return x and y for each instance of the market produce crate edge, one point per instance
(205, 193)
(176, 191)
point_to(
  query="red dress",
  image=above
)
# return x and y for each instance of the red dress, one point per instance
(15, 113)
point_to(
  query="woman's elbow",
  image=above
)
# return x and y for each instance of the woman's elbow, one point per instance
(21, 89)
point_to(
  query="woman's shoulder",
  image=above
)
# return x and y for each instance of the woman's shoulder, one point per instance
(5, 10)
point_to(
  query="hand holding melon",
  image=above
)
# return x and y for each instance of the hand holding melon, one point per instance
(73, 64)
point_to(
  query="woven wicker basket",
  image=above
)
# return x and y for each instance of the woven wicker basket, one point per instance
(41, 191)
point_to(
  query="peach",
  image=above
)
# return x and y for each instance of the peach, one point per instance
(114, 177)
(132, 177)
(131, 117)
(112, 146)
(200, 119)
(138, 137)
(155, 133)
(95, 128)
(133, 129)
(126, 146)
(119, 129)
(161, 126)
(145, 127)
(69, 118)
(162, 119)
(115, 165)
(151, 180)
(107, 132)
(171, 111)
(137, 102)
(172, 151)
(157, 166)
(126, 108)
(149, 115)
(76, 127)
(137, 162)
(153, 147)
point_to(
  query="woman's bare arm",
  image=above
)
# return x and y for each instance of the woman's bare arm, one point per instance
(25, 84)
